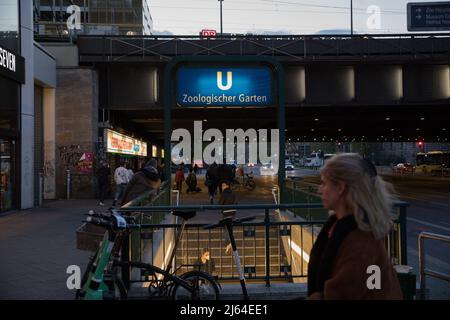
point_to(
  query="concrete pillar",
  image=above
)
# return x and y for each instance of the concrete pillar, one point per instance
(328, 84)
(295, 85)
(27, 109)
(76, 128)
(49, 144)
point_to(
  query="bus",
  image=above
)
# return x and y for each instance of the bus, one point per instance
(433, 162)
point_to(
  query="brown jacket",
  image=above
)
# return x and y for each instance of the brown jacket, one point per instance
(139, 184)
(349, 275)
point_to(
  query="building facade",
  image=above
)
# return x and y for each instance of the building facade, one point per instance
(95, 17)
(27, 90)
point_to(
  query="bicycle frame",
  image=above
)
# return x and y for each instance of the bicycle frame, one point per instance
(95, 286)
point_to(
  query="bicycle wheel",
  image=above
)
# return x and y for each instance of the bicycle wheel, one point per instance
(203, 287)
(86, 275)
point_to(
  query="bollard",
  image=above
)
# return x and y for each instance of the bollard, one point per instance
(41, 188)
(68, 184)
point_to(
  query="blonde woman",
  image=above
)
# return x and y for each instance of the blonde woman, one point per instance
(350, 246)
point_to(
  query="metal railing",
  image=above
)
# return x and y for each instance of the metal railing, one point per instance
(290, 47)
(271, 249)
(423, 270)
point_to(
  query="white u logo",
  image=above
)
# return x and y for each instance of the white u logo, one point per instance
(220, 80)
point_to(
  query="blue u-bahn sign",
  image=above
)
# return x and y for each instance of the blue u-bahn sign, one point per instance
(429, 16)
(234, 86)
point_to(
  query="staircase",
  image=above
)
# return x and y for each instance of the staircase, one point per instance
(251, 244)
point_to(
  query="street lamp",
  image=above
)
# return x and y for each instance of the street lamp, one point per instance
(351, 17)
(221, 25)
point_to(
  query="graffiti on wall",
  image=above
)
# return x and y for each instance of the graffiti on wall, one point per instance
(73, 158)
(69, 155)
(49, 169)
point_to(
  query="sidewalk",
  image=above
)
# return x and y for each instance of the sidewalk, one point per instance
(37, 246)
(261, 195)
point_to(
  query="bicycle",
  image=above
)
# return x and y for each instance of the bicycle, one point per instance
(101, 279)
(228, 223)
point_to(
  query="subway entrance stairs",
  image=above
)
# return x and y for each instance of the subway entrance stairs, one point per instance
(250, 240)
(251, 244)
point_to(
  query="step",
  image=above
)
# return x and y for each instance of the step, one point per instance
(259, 244)
(261, 260)
(231, 272)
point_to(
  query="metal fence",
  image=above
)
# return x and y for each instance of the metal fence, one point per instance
(424, 271)
(271, 248)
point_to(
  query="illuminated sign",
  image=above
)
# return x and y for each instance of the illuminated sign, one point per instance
(208, 33)
(119, 143)
(154, 151)
(162, 153)
(7, 60)
(224, 86)
(12, 65)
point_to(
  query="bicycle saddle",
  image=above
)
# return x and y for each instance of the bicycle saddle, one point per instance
(186, 215)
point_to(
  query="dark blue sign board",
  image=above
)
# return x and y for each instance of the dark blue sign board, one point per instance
(429, 16)
(228, 86)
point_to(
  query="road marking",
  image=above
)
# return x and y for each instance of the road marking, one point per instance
(430, 259)
(422, 200)
(429, 224)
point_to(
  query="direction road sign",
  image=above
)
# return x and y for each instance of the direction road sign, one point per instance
(429, 16)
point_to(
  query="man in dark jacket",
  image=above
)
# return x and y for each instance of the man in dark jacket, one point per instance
(103, 178)
(211, 181)
(227, 198)
(142, 181)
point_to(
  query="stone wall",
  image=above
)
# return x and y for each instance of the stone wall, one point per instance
(76, 129)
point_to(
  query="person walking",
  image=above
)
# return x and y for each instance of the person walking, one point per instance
(179, 178)
(211, 181)
(103, 179)
(142, 181)
(352, 240)
(121, 179)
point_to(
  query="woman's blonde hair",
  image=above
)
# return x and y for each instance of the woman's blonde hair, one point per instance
(367, 192)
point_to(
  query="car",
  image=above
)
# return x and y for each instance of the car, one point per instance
(288, 165)
(404, 168)
(267, 169)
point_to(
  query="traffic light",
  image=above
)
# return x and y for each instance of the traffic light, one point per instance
(421, 145)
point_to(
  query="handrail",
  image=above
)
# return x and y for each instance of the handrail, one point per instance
(400, 204)
(427, 272)
(146, 195)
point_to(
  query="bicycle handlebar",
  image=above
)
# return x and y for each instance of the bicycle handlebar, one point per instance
(108, 224)
(99, 222)
(128, 219)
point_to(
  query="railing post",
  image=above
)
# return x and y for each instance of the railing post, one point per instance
(41, 188)
(422, 269)
(68, 181)
(267, 231)
(125, 256)
(403, 236)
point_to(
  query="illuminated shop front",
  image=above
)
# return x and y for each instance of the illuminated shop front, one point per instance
(123, 148)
